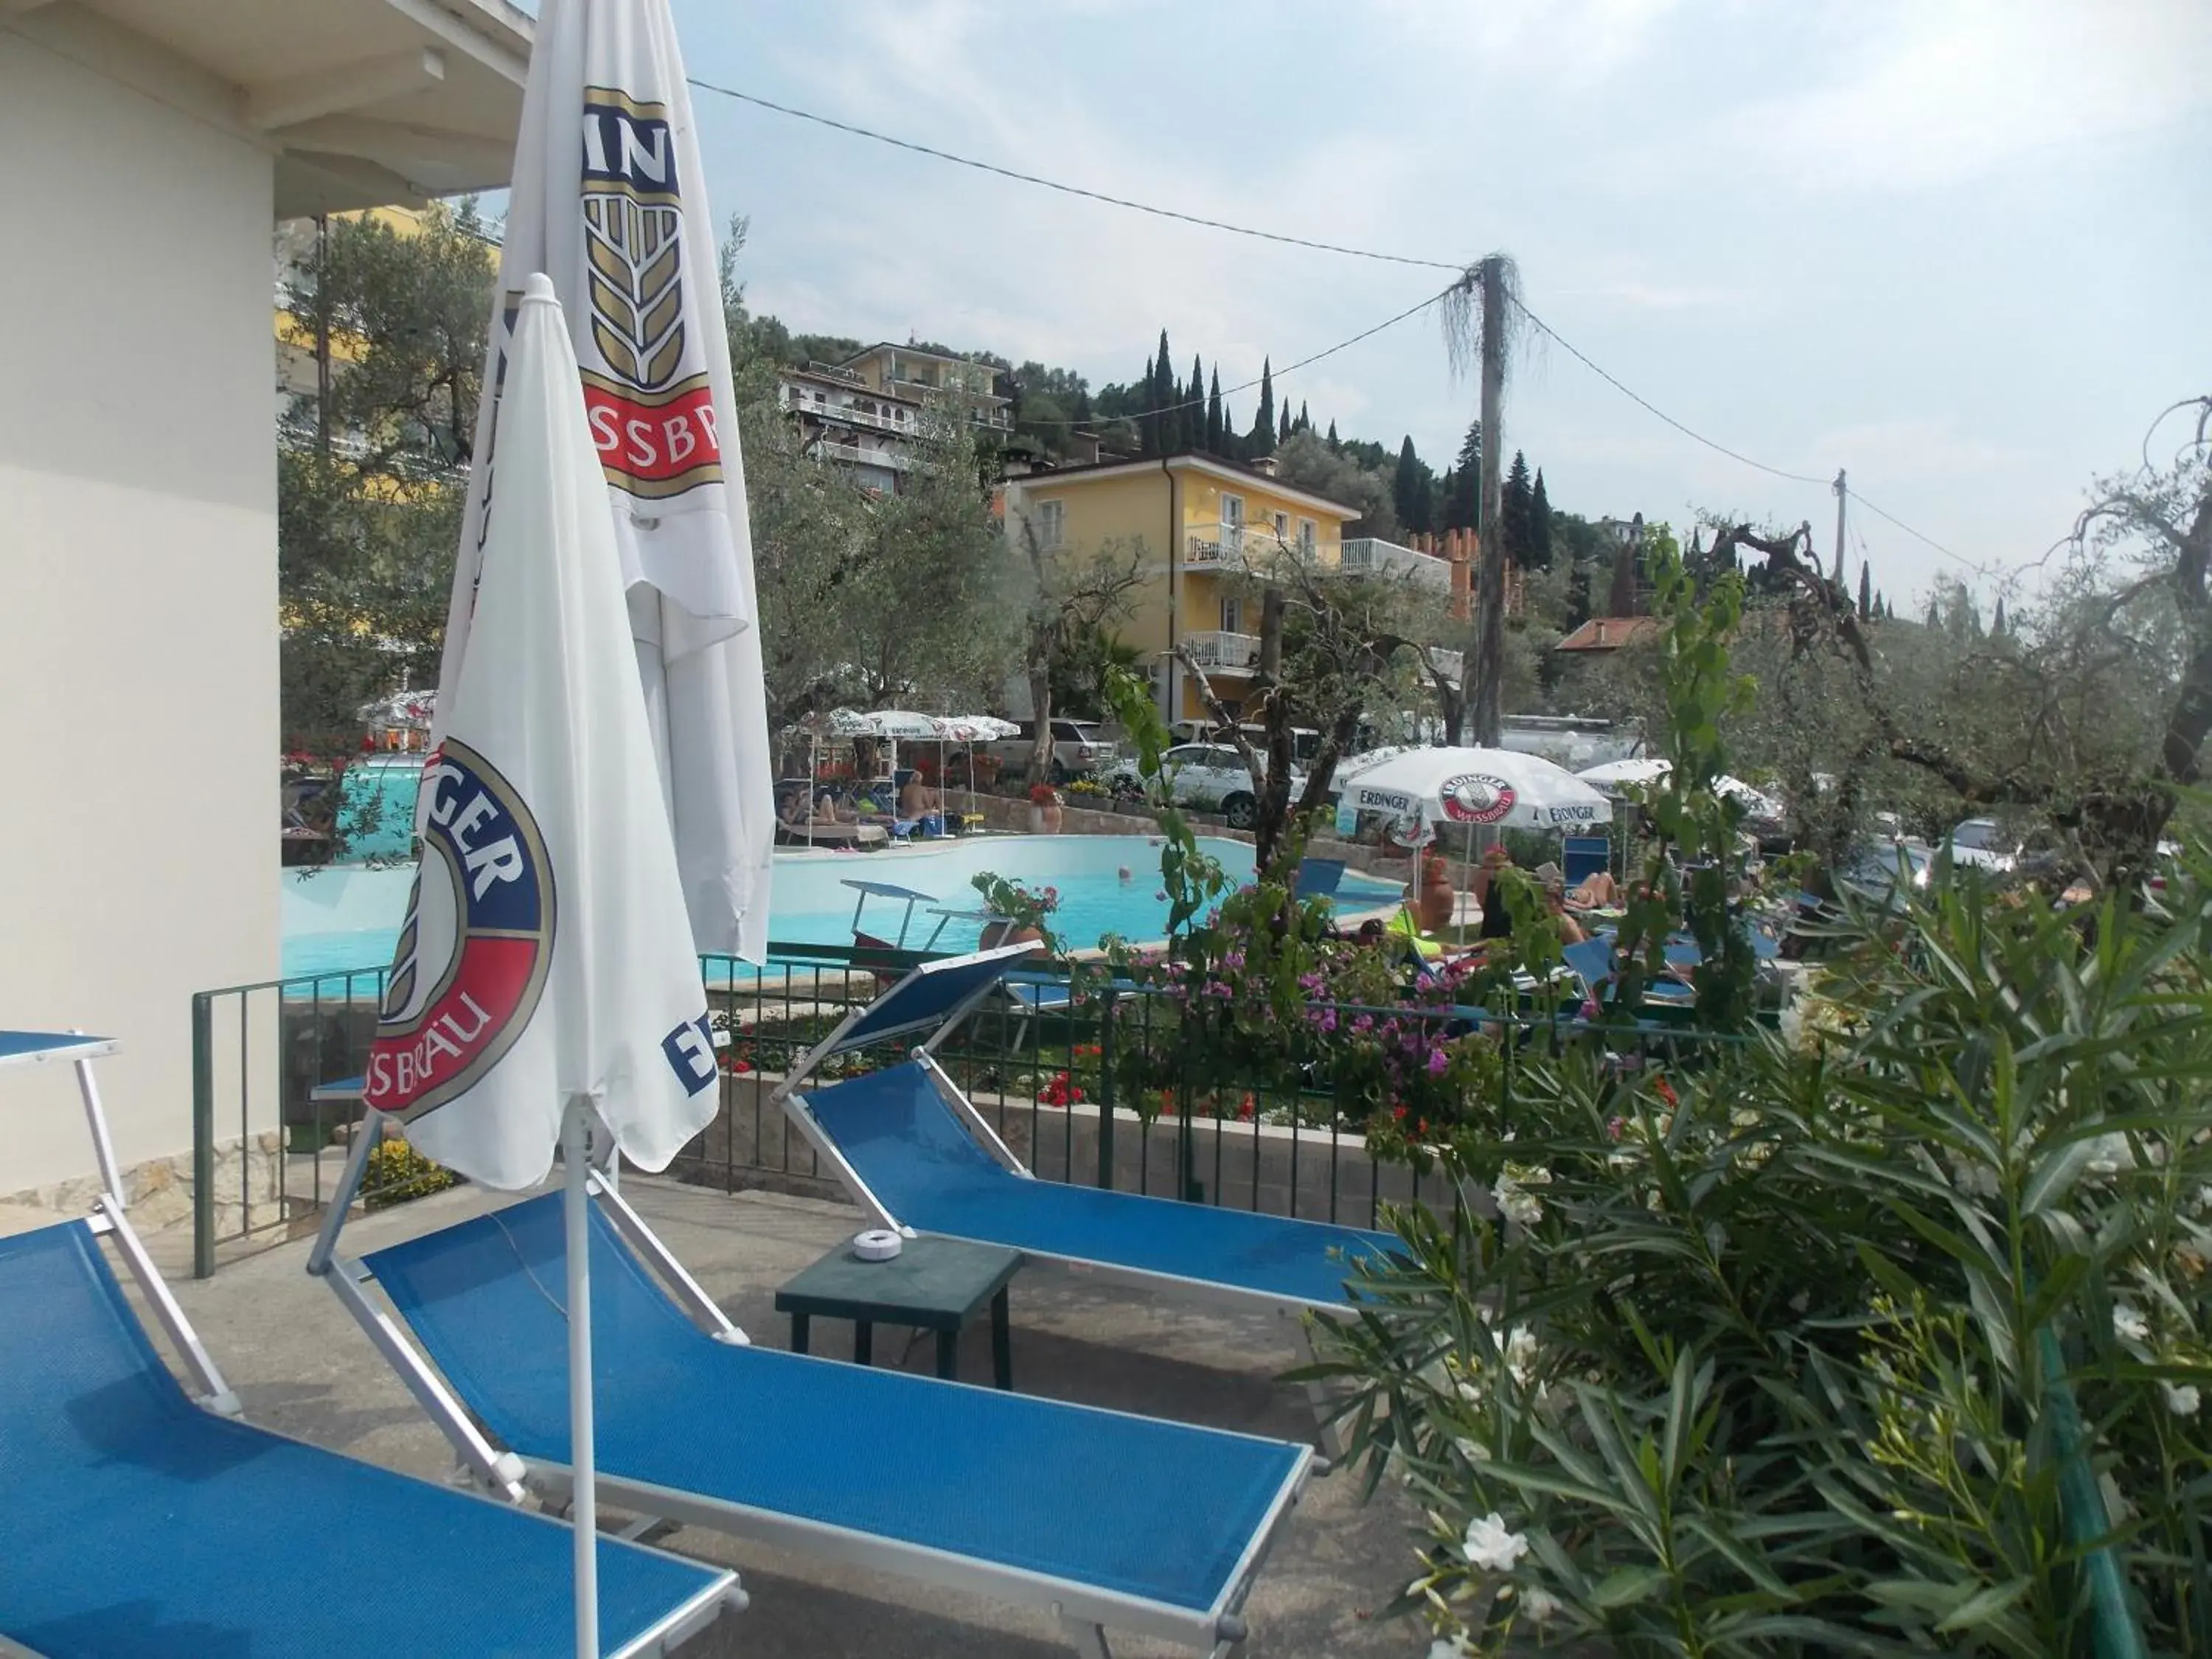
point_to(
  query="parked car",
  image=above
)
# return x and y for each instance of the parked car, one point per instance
(1982, 844)
(1076, 748)
(1210, 777)
(1882, 872)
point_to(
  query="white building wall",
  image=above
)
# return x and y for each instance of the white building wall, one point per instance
(138, 705)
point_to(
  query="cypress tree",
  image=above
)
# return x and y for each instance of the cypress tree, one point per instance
(1305, 421)
(1214, 413)
(1232, 447)
(1283, 431)
(1193, 407)
(1408, 492)
(1463, 510)
(1334, 444)
(1866, 592)
(1148, 422)
(1164, 391)
(1997, 621)
(1540, 525)
(1513, 508)
(1263, 420)
(1880, 608)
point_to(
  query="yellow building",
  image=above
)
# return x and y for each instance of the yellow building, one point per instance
(1203, 524)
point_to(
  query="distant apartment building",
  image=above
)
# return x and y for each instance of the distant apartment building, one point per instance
(908, 372)
(842, 418)
(1203, 524)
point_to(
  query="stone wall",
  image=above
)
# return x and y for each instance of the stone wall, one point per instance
(158, 1193)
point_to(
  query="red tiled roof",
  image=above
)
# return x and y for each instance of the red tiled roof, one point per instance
(1610, 633)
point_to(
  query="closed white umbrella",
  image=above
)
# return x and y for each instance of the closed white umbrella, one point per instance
(608, 200)
(545, 983)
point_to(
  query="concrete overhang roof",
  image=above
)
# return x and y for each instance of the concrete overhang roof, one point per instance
(362, 102)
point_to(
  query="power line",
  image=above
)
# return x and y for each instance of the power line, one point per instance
(1068, 190)
(1271, 375)
(1650, 408)
(1204, 222)
(1858, 499)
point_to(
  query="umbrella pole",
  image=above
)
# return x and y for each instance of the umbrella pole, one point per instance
(584, 1498)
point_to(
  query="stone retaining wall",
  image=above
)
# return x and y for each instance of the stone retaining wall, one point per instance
(159, 1192)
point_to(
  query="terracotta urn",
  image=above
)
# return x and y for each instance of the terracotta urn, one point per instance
(996, 934)
(1435, 899)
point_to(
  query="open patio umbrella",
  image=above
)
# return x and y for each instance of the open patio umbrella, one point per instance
(1479, 787)
(972, 729)
(1615, 775)
(545, 985)
(608, 200)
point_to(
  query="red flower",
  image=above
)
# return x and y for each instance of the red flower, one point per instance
(1244, 1110)
(1665, 1091)
(1420, 1125)
(1398, 1112)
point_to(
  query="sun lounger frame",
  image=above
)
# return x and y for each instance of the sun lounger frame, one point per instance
(207, 1386)
(1086, 1612)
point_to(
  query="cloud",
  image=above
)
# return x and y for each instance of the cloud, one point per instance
(1939, 93)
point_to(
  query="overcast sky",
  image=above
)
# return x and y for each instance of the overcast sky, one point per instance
(1961, 247)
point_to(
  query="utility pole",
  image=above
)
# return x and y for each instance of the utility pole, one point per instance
(1842, 495)
(1488, 662)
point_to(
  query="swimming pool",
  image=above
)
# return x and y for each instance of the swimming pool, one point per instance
(346, 917)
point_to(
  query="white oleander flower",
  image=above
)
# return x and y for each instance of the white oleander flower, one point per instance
(1516, 1203)
(2181, 1398)
(1492, 1546)
(1448, 1647)
(1520, 1350)
(1539, 1603)
(2129, 1325)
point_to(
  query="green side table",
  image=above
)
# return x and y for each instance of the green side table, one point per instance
(933, 1285)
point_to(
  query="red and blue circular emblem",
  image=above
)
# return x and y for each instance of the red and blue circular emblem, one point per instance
(1476, 797)
(476, 945)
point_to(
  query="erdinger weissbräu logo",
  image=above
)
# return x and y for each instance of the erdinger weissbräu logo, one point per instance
(651, 410)
(1476, 797)
(478, 939)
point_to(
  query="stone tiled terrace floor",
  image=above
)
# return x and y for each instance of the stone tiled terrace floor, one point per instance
(301, 1367)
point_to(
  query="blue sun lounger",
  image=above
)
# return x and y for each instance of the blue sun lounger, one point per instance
(138, 1523)
(915, 1153)
(1105, 1520)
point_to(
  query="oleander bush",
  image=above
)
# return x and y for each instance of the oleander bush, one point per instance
(1889, 1335)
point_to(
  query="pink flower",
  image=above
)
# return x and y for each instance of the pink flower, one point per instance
(1438, 1061)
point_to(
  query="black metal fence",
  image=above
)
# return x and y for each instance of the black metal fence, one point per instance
(272, 1119)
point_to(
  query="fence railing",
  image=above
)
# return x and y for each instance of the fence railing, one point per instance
(269, 1134)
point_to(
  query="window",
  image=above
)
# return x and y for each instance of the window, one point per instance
(1306, 536)
(1232, 512)
(1052, 523)
(1232, 616)
(1282, 529)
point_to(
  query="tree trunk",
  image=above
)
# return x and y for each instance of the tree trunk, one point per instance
(1041, 709)
(1274, 791)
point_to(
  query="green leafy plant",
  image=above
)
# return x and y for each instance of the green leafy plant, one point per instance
(1895, 1341)
(1022, 905)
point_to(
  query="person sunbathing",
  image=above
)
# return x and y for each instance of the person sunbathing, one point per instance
(1597, 890)
(917, 800)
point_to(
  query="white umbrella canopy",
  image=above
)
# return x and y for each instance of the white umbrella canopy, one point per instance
(608, 200)
(975, 728)
(896, 724)
(1479, 788)
(545, 985)
(1615, 775)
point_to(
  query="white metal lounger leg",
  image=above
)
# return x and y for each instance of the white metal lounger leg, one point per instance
(215, 1393)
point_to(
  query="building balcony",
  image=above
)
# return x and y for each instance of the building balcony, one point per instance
(891, 459)
(1217, 652)
(1371, 556)
(1224, 549)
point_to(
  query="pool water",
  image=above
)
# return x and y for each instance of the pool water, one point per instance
(346, 919)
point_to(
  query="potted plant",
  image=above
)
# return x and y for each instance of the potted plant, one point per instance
(1437, 900)
(1045, 817)
(1018, 912)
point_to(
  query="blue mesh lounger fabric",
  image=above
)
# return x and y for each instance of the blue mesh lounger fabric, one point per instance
(136, 1523)
(932, 1175)
(1094, 1498)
